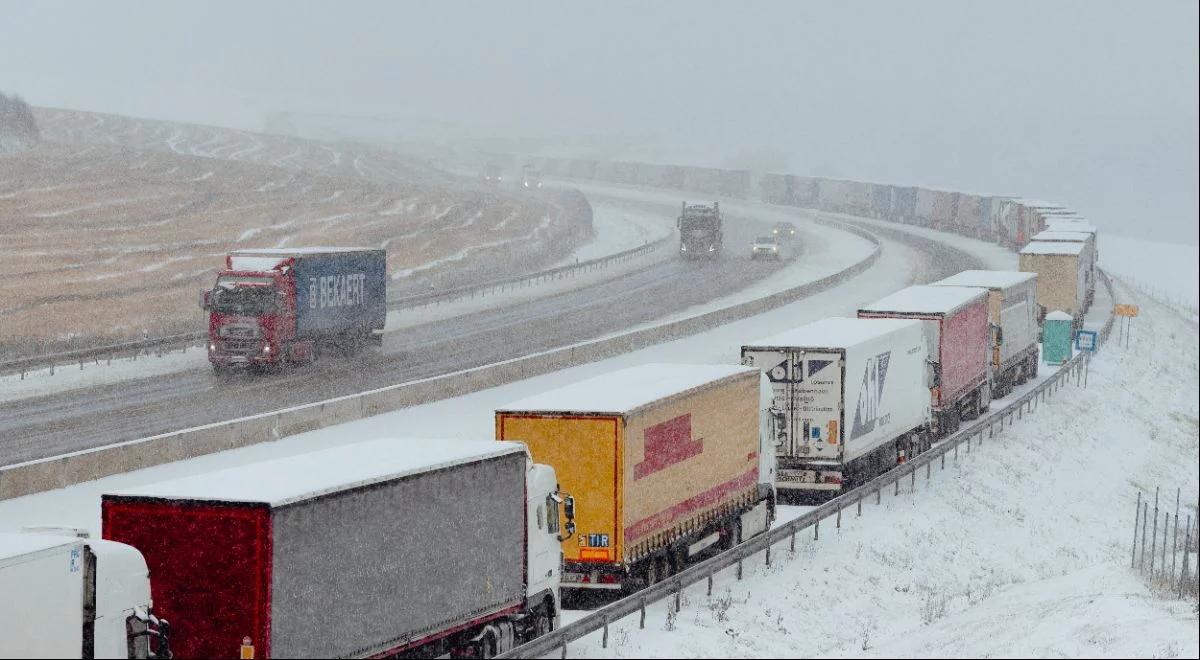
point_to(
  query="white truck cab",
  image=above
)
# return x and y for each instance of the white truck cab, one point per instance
(73, 597)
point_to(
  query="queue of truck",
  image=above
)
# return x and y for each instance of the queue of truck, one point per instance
(421, 548)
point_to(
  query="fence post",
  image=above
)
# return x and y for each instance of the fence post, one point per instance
(739, 565)
(604, 641)
(1154, 533)
(793, 549)
(838, 526)
(817, 530)
(1187, 542)
(913, 485)
(859, 514)
(642, 602)
(1137, 516)
(943, 460)
(878, 497)
(1166, 525)
(710, 575)
(1145, 513)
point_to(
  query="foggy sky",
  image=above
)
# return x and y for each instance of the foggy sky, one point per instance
(1089, 103)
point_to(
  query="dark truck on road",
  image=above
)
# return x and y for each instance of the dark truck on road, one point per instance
(699, 230)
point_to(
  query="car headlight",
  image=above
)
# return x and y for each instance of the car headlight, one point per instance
(212, 347)
(267, 348)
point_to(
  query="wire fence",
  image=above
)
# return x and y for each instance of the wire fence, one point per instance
(1164, 547)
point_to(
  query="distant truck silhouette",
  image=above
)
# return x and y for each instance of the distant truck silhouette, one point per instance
(700, 234)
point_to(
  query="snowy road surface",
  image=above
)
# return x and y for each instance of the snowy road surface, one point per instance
(92, 417)
(471, 416)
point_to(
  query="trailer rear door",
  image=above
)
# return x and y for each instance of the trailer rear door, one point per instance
(586, 452)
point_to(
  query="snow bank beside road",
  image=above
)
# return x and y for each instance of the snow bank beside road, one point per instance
(1020, 549)
(1167, 271)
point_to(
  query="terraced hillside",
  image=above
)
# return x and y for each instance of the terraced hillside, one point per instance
(102, 241)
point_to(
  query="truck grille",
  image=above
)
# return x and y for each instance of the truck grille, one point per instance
(236, 347)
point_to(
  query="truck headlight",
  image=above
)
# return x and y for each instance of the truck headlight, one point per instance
(267, 348)
(212, 348)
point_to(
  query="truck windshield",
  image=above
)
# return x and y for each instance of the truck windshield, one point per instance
(251, 296)
(698, 222)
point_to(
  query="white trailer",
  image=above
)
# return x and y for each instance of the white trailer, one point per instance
(1013, 314)
(850, 399)
(71, 597)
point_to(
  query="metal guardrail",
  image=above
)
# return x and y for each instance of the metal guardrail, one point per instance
(530, 279)
(984, 429)
(97, 353)
(184, 340)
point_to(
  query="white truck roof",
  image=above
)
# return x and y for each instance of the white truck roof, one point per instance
(288, 252)
(1049, 247)
(834, 333)
(1057, 235)
(1071, 225)
(987, 279)
(264, 259)
(622, 391)
(304, 476)
(926, 299)
(1058, 316)
(15, 545)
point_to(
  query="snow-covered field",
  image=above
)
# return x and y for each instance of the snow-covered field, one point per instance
(1169, 272)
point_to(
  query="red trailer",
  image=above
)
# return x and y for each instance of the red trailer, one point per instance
(955, 321)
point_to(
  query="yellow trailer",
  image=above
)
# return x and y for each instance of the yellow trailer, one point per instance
(665, 462)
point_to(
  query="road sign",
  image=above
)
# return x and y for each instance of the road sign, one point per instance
(1125, 310)
(1085, 340)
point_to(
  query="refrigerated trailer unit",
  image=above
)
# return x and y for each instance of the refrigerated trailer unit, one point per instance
(850, 398)
(1013, 315)
(381, 547)
(666, 461)
(955, 325)
(71, 597)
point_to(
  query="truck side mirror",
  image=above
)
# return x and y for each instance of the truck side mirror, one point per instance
(569, 507)
(204, 299)
(933, 373)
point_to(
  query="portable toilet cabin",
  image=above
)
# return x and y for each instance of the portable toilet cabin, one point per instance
(1056, 338)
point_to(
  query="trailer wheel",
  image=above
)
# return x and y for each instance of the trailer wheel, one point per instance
(653, 574)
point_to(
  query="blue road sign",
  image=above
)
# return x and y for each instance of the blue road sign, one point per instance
(1085, 340)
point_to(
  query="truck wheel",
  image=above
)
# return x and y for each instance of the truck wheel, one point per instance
(487, 646)
(543, 624)
(652, 573)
